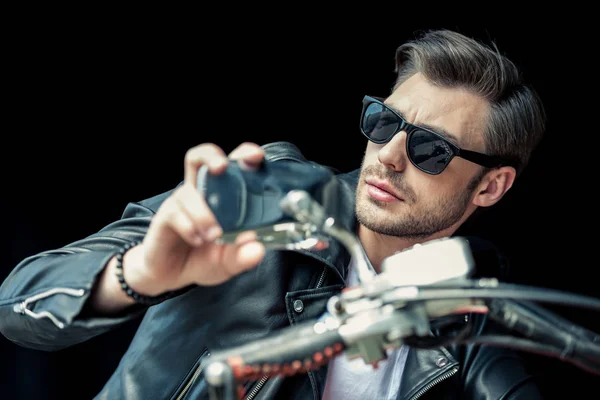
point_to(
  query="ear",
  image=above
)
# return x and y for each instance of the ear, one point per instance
(494, 186)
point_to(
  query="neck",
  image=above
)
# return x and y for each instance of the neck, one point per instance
(378, 246)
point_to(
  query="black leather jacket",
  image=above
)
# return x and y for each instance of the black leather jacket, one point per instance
(43, 306)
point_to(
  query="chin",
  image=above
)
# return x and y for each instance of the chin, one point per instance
(375, 212)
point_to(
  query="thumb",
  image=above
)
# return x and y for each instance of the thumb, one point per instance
(249, 254)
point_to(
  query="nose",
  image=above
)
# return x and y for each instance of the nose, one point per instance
(393, 153)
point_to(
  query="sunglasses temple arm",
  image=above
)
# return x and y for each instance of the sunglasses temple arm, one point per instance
(479, 158)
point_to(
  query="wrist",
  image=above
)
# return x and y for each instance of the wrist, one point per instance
(136, 275)
(144, 291)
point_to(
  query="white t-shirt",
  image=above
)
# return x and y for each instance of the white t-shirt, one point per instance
(353, 379)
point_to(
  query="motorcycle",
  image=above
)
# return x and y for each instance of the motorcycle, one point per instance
(289, 205)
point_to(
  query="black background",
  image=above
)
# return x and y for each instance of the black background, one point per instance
(101, 105)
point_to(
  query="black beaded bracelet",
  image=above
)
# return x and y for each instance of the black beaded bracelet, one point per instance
(139, 298)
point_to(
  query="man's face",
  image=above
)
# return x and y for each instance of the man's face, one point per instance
(420, 204)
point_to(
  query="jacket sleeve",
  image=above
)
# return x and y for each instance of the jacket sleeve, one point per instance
(42, 299)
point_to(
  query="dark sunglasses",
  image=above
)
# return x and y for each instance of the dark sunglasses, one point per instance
(428, 151)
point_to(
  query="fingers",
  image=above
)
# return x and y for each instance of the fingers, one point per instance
(186, 212)
(249, 254)
(238, 258)
(249, 155)
(189, 213)
(205, 154)
(246, 253)
(223, 262)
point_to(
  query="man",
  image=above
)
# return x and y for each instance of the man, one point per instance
(451, 138)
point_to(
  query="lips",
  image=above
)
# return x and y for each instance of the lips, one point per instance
(384, 186)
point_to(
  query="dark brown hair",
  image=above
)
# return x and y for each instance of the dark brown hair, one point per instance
(451, 59)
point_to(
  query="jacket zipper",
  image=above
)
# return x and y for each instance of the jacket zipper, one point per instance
(193, 378)
(434, 382)
(322, 278)
(259, 385)
(21, 308)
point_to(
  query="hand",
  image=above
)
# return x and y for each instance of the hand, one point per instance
(178, 249)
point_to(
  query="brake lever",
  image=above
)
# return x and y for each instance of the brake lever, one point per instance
(281, 236)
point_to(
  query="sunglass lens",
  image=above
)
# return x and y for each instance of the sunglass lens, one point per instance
(379, 123)
(429, 152)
